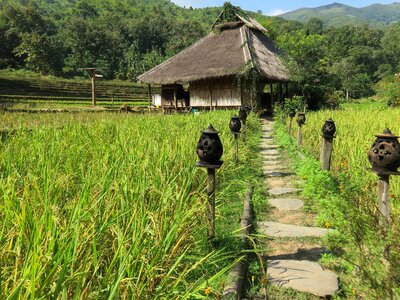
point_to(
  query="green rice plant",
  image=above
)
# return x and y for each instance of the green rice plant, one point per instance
(346, 198)
(106, 206)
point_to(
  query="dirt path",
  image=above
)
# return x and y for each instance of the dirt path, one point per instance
(292, 241)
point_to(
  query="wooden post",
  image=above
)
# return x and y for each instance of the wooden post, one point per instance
(150, 100)
(326, 153)
(244, 130)
(287, 89)
(211, 104)
(299, 137)
(280, 94)
(93, 75)
(290, 126)
(236, 147)
(272, 95)
(175, 99)
(211, 202)
(384, 202)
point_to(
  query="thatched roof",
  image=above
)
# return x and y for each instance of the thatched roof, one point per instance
(227, 51)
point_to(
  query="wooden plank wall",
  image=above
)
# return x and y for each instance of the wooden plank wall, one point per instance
(216, 92)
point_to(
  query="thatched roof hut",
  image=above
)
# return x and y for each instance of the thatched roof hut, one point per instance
(212, 65)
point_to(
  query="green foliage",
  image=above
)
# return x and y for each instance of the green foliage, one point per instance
(124, 38)
(389, 90)
(363, 252)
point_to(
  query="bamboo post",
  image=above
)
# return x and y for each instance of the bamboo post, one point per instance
(326, 153)
(211, 202)
(244, 130)
(236, 135)
(328, 133)
(384, 201)
(209, 150)
(299, 137)
(385, 160)
(301, 120)
(290, 125)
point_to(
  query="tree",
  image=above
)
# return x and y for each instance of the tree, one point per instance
(391, 47)
(314, 26)
(307, 62)
(40, 53)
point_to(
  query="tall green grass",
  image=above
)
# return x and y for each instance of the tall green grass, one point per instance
(347, 199)
(112, 206)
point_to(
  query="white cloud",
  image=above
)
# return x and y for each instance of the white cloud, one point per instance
(276, 12)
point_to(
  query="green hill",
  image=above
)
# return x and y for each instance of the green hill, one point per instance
(337, 14)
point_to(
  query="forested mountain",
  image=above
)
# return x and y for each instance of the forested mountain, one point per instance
(337, 14)
(124, 38)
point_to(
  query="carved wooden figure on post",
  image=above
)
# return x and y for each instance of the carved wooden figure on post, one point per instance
(301, 120)
(292, 114)
(235, 125)
(384, 157)
(209, 150)
(328, 133)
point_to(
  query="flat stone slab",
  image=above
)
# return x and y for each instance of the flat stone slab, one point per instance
(272, 163)
(304, 276)
(275, 229)
(265, 147)
(286, 203)
(272, 158)
(282, 191)
(270, 152)
(277, 173)
(269, 170)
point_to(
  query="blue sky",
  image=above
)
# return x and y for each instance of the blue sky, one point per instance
(274, 7)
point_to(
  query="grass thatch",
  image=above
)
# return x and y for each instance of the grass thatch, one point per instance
(220, 54)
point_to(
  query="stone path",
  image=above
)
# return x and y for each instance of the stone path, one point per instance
(295, 247)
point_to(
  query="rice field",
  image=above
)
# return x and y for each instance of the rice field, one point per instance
(111, 206)
(356, 130)
(365, 251)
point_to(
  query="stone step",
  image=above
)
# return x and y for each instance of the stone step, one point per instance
(277, 173)
(282, 191)
(275, 229)
(286, 203)
(273, 163)
(303, 276)
(277, 167)
(272, 158)
(269, 147)
(270, 152)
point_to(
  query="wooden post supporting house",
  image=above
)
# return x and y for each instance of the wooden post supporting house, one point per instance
(175, 100)
(150, 100)
(287, 89)
(272, 95)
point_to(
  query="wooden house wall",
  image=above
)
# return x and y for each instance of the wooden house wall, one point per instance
(216, 92)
